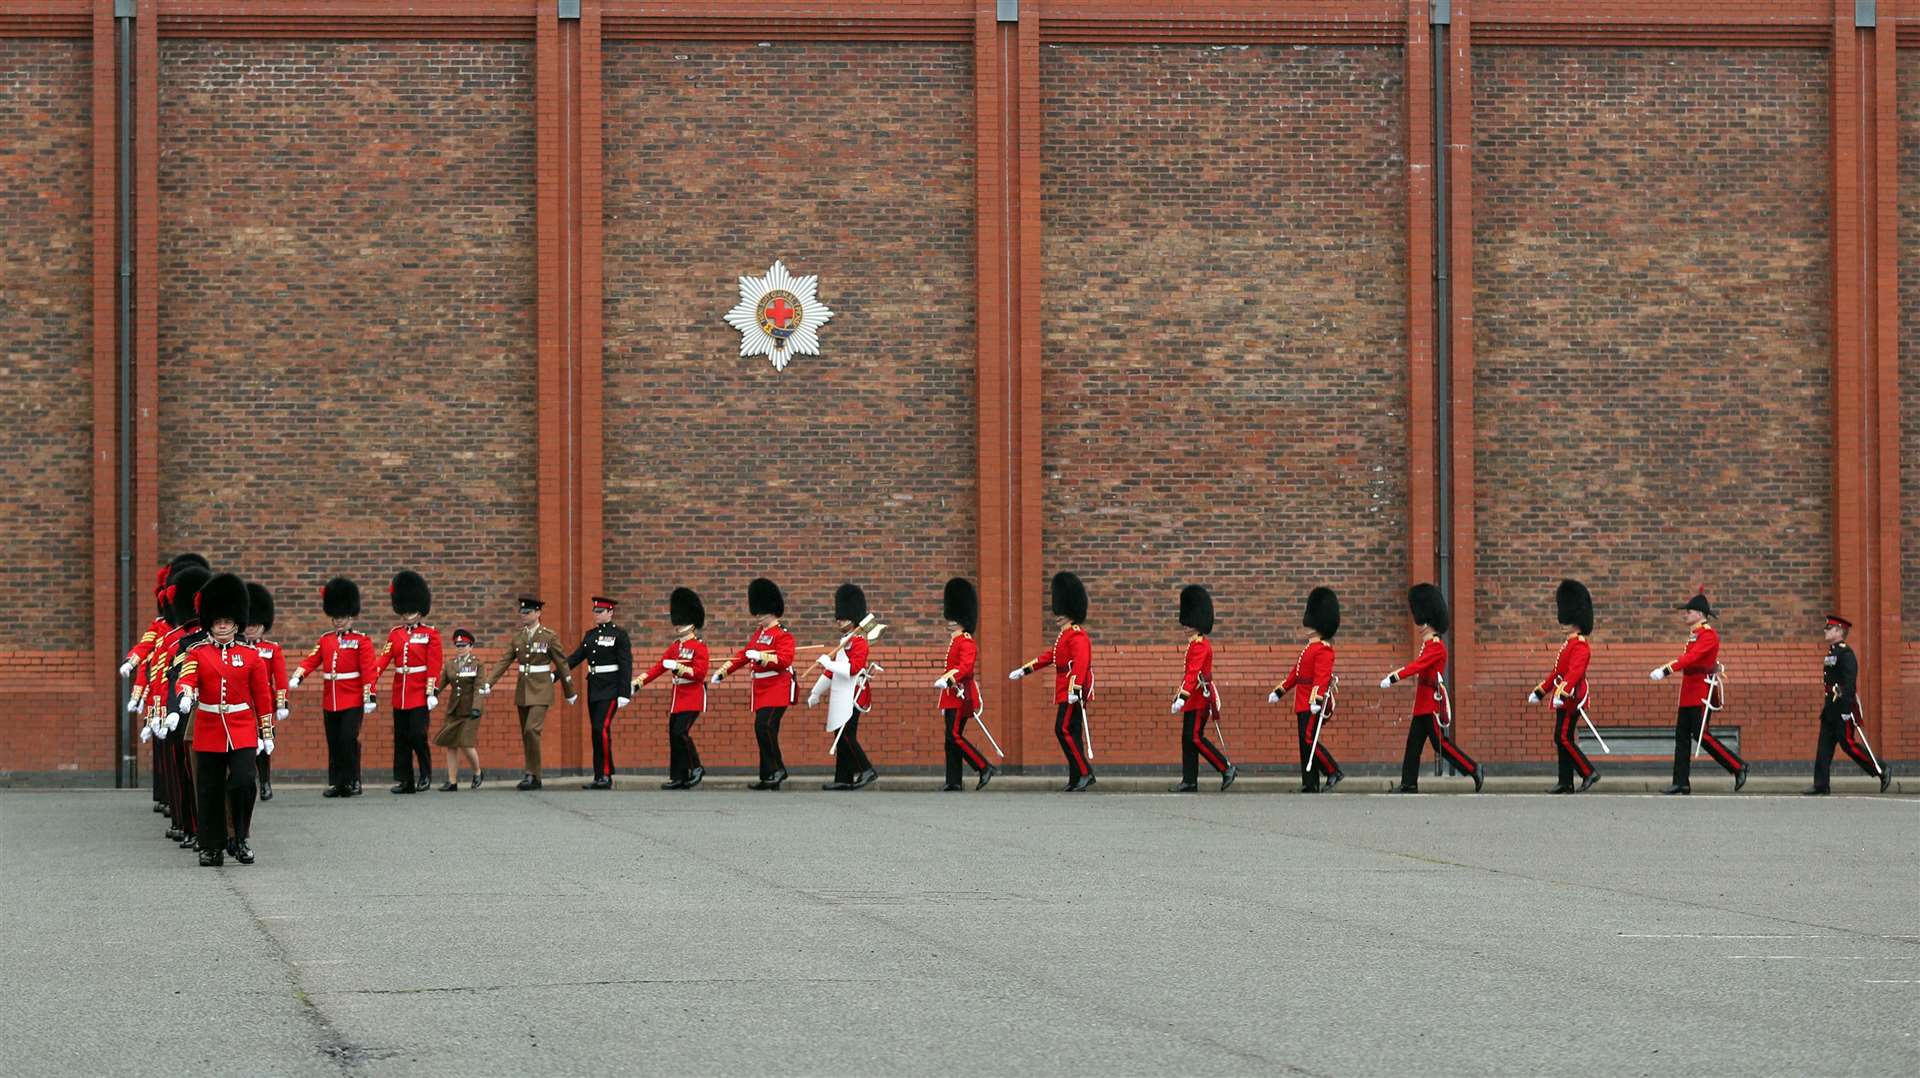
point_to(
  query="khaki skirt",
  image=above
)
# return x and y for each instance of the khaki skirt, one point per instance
(458, 732)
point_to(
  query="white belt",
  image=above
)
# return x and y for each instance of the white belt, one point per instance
(758, 674)
(351, 675)
(603, 669)
(225, 709)
(536, 669)
(411, 669)
(689, 681)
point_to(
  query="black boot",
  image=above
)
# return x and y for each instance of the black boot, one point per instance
(694, 778)
(1479, 777)
(212, 859)
(334, 791)
(425, 781)
(864, 779)
(450, 787)
(1886, 777)
(1405, 788)
(402, 788)
(242, 852)
(478, 778)
(1226, 777)
(1739, 779)
(527, 782)
(779, 777)
(266, 789)
(988, 772)
(1334, 780)
(1815, 791)
(1561, 788)
(1677, 790)
(1587, 783)
(1184, 788)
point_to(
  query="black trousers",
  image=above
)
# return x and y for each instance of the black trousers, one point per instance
(180, 765)
(162, 779)
(263, 767)
(1323, 762)
(600, 714)
(1194, 745)
(410, 744)
(226, 786)
(1069, 725)
(1423, 729)
(850, 760)
(766, 731)
(1847, 737)
(682, 756)
(958, 747)
(343, 746)
(1566, 744)
(1685, 726)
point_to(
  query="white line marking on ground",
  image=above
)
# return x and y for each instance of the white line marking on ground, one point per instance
(1711, 936)
(1829, 957)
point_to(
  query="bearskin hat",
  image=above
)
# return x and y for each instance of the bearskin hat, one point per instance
(1575, 605)
(183, 587)
(849, 604)
(1323, 612)
(1069, 597)
(410, 593)
(684, 608)
(340, 598)
(224, 596)
(259, 607)
(1429, 607)
(1196, 609)
(763, 598)
(961, 604)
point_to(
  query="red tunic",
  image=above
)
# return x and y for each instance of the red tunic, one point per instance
(142, 655)
(414, 652)
(690, 681)
(344, 658)
(1196, 683)
(1071, 656)
(1697, 664)
(1427, 667)
(232, 693)
(1569, 677)
(276, 660)
(774, 682)
(963, 693)
(1311, 675)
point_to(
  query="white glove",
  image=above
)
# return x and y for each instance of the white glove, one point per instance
(486, 690)
(1387, 682)
(1533, 698)
(574, 699)
(367, 708)
(714, 678)
(266, 745)
(133, 704)
(813, 699)
(126, 669)
(146, 733)
(623, 701)
(1273, 697)
(1315, 709)
(1017, 673)
(753, 656)
(1073, 698)
(1179, 704)
(1659, 674)
(280, 714)
(173, 721)
(186, 701)
(293, 682)
(670, 664)
(432, 702)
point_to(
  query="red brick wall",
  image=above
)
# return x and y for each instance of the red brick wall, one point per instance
(1909, 223)
(346, 325)
(1652, 275)
(848, 161)
(46, 399)
(1224, 388)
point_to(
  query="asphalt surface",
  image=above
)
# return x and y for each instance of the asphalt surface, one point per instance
(728, 932)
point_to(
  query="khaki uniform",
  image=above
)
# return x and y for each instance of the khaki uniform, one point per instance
(460, 683)
(538, 656)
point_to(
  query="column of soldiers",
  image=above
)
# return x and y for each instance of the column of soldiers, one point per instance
(211, 685)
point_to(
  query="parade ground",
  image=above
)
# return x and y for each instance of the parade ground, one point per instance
(729, 932)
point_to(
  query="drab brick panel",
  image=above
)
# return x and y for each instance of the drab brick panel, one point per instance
(46, 339)
(1653, 276)
(347, 320)
(848, 161)
(1909, 224)
(1224, 391)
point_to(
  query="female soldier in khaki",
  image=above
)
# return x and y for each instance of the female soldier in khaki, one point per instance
(460, 681)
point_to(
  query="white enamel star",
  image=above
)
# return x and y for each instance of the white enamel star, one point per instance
(779, 316)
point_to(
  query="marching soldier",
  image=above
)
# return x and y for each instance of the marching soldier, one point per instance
(1071, 656)
(1432, 712)
(166, 712)
(769, 652)
(609, 658)
(960, 686)
(848, 685)
(139, 664)
(460, 729)
(260, 618)
(1198, 701)
(1699, 668)
(413, 648)
(686, 659)
(1840, 716)
(228, 688)
(345, 660)
(1566, 687)
(535, 650)
(1311, 681)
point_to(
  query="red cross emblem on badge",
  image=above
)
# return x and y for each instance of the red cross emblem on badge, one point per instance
(779, 314)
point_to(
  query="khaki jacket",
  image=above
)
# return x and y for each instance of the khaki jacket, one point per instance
(541, 661)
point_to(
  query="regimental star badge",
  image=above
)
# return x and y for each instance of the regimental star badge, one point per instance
(778, 316)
